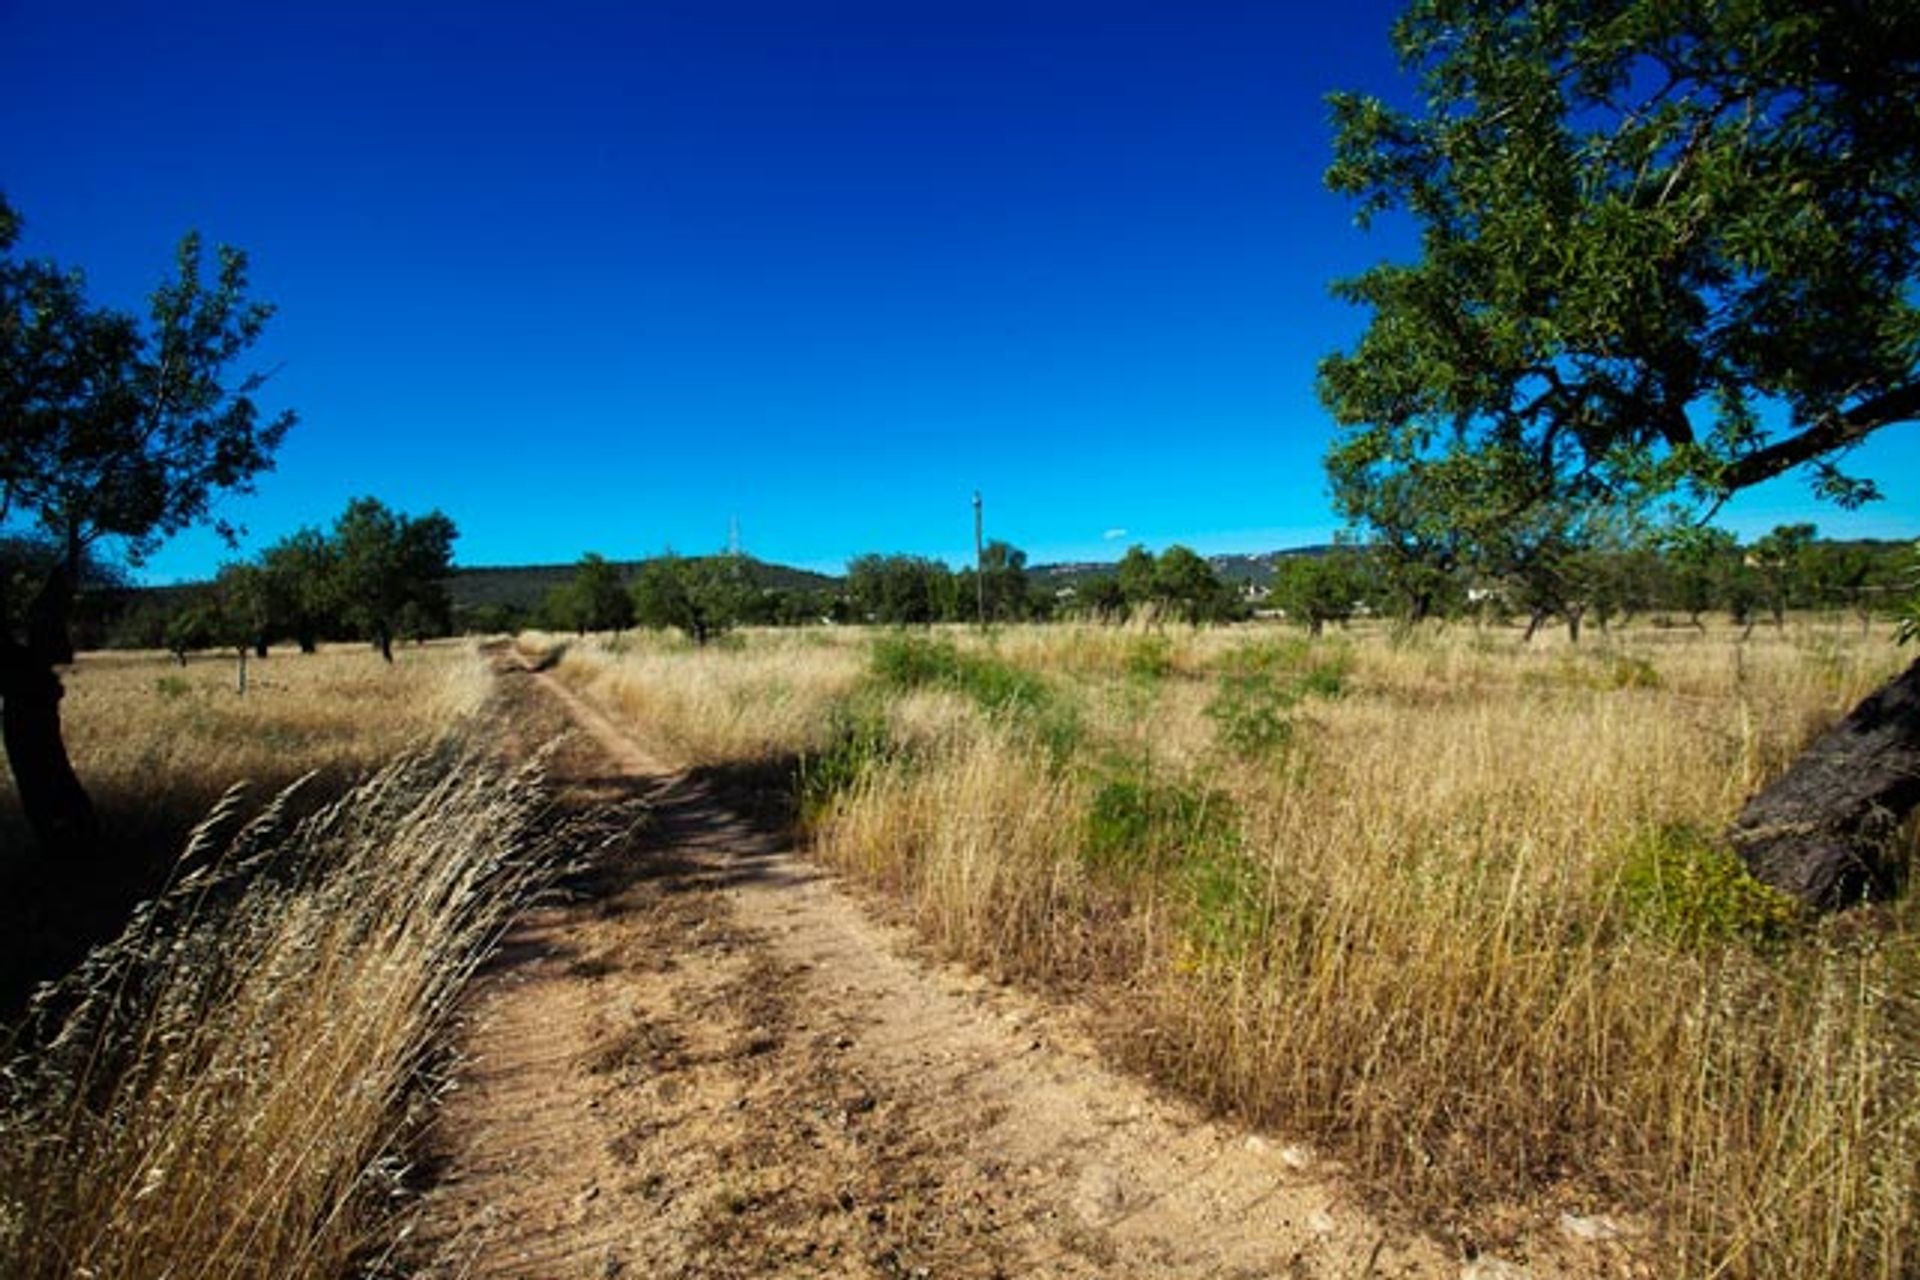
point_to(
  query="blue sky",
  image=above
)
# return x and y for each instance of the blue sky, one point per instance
(610, 276)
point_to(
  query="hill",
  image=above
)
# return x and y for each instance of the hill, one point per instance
(523, 586)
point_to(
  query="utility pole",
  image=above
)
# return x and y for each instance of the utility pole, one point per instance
(979, 566)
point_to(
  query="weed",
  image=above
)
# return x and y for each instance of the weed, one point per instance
(1682, 887)
(1138, 824)
(1250, 713)
(1148, 658)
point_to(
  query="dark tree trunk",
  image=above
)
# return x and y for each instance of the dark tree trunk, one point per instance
(1820, 831)
(1535, 620)
(1573, 617)
(51, 798)
(308, 643)
(260, 647)
(385, 641)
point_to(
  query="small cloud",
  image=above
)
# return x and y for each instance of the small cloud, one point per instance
(1111, 534)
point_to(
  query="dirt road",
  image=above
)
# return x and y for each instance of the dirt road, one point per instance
(713, 1062)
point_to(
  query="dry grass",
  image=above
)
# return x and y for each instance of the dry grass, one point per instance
(141, 726)
(221, 1090)
(1449, 903)
(747, 697)
(223, 1094)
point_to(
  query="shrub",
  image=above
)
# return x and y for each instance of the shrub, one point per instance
(1138, 824)
(1679, 885)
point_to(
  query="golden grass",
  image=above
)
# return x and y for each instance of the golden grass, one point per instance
(1461, 916)
(142, 726)
(752, 696)
(221, 1090)
(222, 1097)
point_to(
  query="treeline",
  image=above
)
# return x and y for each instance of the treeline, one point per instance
(380, 576)
(707, 596)
(377, 575)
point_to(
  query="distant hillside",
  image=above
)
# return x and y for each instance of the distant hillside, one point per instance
(1256, 567)
(523, 586)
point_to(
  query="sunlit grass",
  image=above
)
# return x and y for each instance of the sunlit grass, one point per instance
(1449, 903)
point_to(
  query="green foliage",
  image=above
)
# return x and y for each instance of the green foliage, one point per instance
(1226, 908)
(1626, 671)
(702, 598)
(1641, 226)
(1149, 658)
(1139, 824)
(391, 570)
(1250, 712)
(1907, 612)
(903, 662)
(172, 688)
(1260, 685)
(595, 599)
(1316, 590)
(901, 590)
(1683, 887)
(857, 743)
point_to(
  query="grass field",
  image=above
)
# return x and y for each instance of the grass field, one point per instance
(222, 1090)
(1450, 904)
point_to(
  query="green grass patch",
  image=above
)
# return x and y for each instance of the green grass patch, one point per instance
(1683, 887)
(1138, 824)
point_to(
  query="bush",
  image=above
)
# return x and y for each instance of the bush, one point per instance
(1250, 713)
(1140, 825)
(1679, 885)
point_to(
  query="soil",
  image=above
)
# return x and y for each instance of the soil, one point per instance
(709, 1060)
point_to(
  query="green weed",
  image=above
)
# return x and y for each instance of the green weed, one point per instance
(1679, 885)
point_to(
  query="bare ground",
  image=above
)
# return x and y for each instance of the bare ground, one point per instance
(711, 1061)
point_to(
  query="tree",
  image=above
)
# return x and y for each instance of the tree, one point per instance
(1135, 575)
(1650, 231)
(1003, 581)
(303, 575)
(702, 598)
(604, 599)
(393, 567)
(118, 432)
(1778, 559)
(900, 590)
(1316, 590)
(1187, 586)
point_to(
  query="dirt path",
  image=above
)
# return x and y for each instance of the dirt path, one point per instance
(714, 1063)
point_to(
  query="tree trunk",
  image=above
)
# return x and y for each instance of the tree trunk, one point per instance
(51, 798)
(1573, 617)
(1820, 831)
(385, 641)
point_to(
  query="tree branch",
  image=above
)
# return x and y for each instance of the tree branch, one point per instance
(1835, 431)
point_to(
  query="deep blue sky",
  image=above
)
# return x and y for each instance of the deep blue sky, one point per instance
(607, 276)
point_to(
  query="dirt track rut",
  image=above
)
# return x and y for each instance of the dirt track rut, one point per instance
(713, 1062)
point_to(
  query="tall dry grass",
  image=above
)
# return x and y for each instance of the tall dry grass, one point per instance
(218, 1092)
(753, 695)
(223, 1088)
(1448, 902)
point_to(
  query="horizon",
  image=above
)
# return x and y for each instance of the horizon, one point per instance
(609, 280)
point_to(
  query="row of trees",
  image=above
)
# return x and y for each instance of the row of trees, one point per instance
(1683, 579)
(378, 575)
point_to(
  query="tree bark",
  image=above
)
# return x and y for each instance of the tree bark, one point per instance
(51, 797)
(1821, 830)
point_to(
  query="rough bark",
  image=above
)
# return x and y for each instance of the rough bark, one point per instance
(1821, 830)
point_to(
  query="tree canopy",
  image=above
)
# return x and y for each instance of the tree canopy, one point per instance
(1665, 248)
(390, 570)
